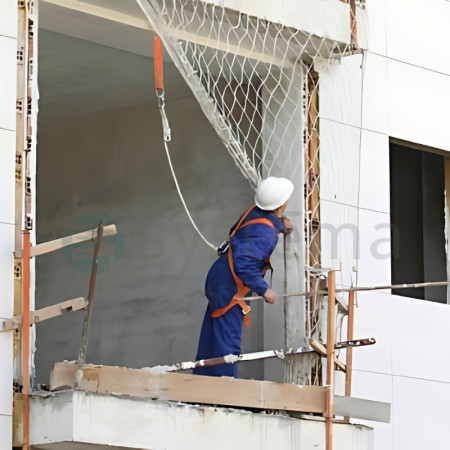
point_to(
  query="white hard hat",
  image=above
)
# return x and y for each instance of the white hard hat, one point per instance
(273, 192)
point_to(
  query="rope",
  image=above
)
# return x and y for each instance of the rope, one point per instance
(214, 247)
(159, 85)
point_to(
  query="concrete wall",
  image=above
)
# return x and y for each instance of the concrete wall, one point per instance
(102, 420)
(8, 64)
(400, 89)
(149, 302)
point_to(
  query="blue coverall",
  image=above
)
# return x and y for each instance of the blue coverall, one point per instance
(251, 246)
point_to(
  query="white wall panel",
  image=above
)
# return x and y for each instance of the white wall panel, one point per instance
(7, 169)
(375, 185)
(5, 432)
(6, 270)
(375, 93)
(378, 387)
(373, 318)
(339, 239)
(421, 415)
(374, 258)
(376, 12)
(8, 18)
(6, 373)
(419, 105)
(419, 33)
(371, 385)
(339, 162)
(340, 90)
(8, 52)
(419, 329)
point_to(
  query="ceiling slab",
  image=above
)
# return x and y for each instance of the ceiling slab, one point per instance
(97, 56)
(125, 31)
(79, 78)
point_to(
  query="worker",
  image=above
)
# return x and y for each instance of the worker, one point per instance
(239, 272)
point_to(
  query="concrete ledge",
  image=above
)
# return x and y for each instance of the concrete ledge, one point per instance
(76, 419)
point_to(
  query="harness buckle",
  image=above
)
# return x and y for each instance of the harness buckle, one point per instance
(245, 309)
(223, 248)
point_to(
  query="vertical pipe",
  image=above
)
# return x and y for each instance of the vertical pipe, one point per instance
(349, 359)
(90, 298)
(26, 340)
(331, 329)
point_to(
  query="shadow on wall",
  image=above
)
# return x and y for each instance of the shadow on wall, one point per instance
(149, 300)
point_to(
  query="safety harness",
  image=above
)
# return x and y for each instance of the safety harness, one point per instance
(242, 289)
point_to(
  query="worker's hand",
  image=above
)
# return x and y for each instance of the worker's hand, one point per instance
(270, 296)
(288, 226)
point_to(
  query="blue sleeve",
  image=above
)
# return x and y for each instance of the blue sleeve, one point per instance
(251, 248)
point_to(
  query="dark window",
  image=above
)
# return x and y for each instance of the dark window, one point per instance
(418, 221)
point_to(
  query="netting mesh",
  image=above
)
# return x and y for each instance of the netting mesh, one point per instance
(248, 75)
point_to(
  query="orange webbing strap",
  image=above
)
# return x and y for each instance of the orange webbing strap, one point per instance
(158, 63)
(159, 84)
(254, 221)
(244, 216)
(242, 290)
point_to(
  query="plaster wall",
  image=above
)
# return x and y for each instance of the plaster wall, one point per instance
(400, 89)
(8, 64)
(149, 303)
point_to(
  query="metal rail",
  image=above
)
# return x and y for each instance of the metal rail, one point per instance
(357, 289)
(90, 298)
(265, 354)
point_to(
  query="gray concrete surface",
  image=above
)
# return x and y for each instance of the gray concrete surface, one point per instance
(149, 304)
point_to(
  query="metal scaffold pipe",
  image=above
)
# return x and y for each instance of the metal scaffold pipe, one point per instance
(357, 289)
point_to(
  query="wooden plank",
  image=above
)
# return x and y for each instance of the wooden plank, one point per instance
(45, 313)
(318, 347)
(11, 324)
(51, 246)
(62, 376)
(58, 309)
(349, 358)
(322, 350)
(190, 388)
(25, 339)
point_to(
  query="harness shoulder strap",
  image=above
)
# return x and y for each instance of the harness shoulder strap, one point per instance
(255, 221)
(242, 290)
(244, 216)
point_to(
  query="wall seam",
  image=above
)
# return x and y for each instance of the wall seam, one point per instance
(401, 376)
(356, 207)
(409, 64)
(354, 126)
